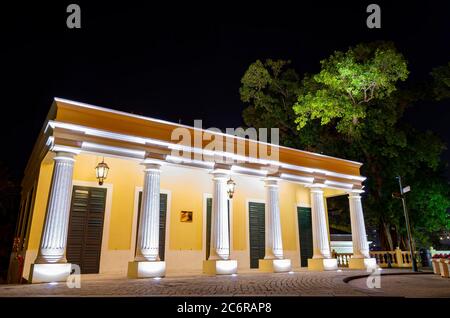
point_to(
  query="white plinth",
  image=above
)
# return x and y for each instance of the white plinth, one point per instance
(49, 273)
(146, 269)
(362, 263)
(275, 265)
(322, 264)
(220, 267)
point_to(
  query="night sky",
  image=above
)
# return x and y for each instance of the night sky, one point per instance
(185, 62)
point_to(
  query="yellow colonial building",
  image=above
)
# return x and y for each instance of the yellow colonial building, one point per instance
(157, 213)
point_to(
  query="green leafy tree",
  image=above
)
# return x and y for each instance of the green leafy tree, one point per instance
(353, 109)
(428, 204)
(348, 84)
(270, 90)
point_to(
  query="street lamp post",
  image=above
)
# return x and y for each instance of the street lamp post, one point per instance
(408, 226)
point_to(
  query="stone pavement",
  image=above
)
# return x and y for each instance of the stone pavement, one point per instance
(301, 283)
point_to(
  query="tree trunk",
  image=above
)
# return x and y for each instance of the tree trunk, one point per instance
(388, 236)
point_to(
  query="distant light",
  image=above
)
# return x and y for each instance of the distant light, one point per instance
(53, 283)
(339, 270)
(233, 275)
(291, 272)
(156, 278)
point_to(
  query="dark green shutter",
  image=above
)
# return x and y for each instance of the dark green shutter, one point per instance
(162, 223)
(208, 224)
(257, 233)
(305, 234)
(84, 239)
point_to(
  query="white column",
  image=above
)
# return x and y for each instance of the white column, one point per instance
(274, 244)
(359, 237)
(321, 243)
(220, 240)
(54, 235)
(148, 236)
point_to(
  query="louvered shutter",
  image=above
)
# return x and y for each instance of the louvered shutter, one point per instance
(84, 240)
(208, 225)
(257, 233)
(305, 234)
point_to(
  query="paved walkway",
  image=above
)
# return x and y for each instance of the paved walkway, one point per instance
(301, 283)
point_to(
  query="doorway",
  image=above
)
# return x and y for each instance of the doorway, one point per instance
(305, 234)
(84, 237)
(257, 228)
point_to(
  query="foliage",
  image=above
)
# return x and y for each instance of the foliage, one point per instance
(348, 85)
(270, 89)
(428, 207)
(441, 76)
(353, 109)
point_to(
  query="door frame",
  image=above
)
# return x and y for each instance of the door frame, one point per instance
(135, 220)
(247, 226)
(206, 196)
(106, 216)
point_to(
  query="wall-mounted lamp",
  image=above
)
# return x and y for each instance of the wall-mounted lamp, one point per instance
(231, 185)
(101, 171)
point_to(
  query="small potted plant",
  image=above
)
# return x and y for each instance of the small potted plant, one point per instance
(435, 262)
(443, 266)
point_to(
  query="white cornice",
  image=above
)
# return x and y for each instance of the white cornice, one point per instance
(85, 105)
(141, 140)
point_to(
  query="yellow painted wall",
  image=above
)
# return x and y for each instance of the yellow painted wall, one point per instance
(187, 188)
(125, 176)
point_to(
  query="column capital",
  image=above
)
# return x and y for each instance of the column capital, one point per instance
(152, 167)
(61, 149)
(68, 156)
(152, 163)
(316, 187)
(355, 193)
(220, 174)
(271, 182)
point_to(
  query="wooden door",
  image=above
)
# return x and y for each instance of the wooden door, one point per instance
(84, 239)
(305, 235)
(256, 214)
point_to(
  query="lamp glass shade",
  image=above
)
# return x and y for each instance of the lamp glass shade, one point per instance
(231, 185)
(101, 172)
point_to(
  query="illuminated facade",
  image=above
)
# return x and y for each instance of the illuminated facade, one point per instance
(157, 214)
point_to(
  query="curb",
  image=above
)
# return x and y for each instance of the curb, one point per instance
(350, 278)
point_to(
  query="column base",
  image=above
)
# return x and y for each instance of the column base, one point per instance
(362, 263)
(219, 267)
(322, 264)
(275, 265)
(49, 273)
(146, 269)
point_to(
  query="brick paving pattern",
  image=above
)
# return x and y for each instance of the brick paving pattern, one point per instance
(302, 283)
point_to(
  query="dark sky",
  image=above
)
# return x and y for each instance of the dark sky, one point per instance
(185, 62)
